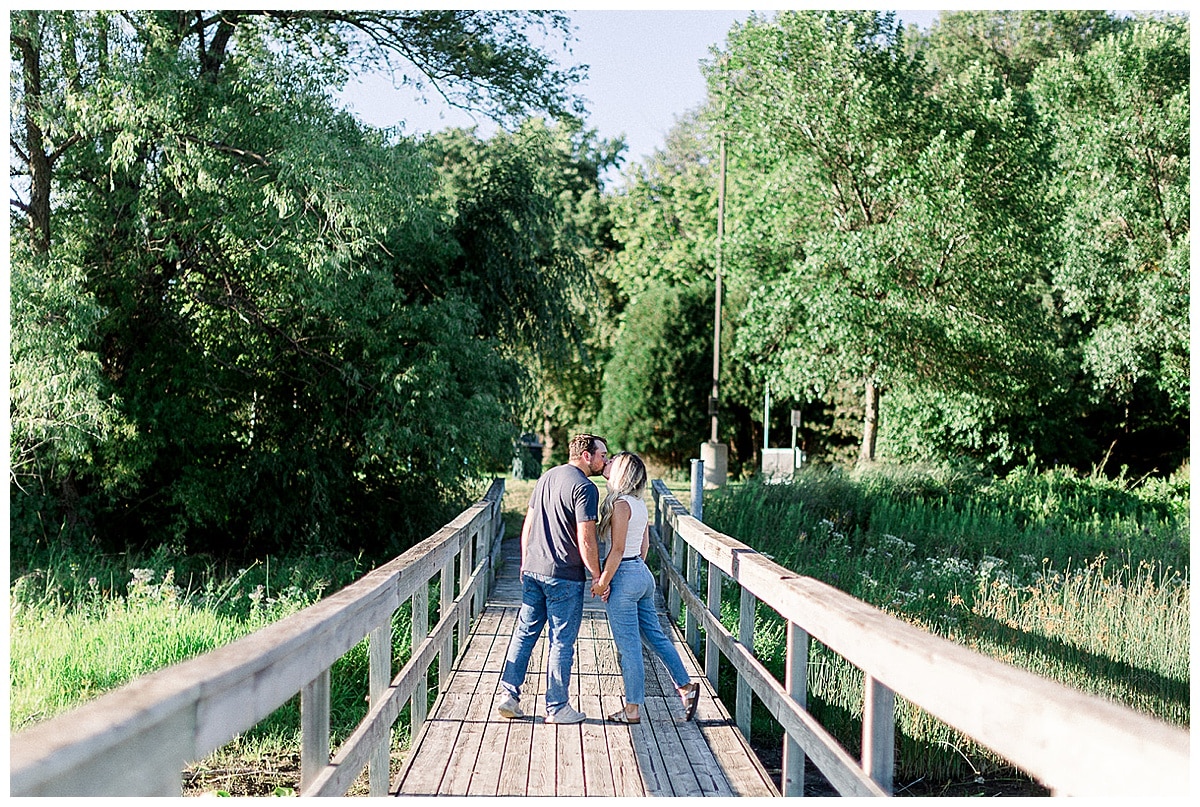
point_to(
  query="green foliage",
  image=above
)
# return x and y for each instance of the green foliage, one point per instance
(664, 216)
(59, 408)
(911, 266)
(1120, 114)
(100, 621)
(928, 424)
(231, 335)
(1082, 579)
(533, 230)
(88, 617)
(656, 385)
(1011, 43)
(989, 223)
(1058, 515)
(522, 203)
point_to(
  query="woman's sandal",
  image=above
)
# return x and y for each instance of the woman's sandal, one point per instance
(691, 699)
(623, 717)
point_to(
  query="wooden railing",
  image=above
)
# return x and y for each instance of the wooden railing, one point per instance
(1074, 744)
(136, 741)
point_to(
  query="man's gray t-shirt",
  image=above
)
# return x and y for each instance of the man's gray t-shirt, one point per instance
(562, 498)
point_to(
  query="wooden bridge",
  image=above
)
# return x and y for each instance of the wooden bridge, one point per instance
(136, 740)
(465, 749)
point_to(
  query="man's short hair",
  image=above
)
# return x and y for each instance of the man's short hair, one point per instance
(584, 442)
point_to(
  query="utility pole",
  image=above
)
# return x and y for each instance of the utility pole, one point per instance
(716, 373)
(714, 454)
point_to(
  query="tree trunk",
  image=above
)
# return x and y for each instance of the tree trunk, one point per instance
(35, 141)
(870, 422)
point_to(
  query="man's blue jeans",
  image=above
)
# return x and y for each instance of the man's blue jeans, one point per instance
(559, 603)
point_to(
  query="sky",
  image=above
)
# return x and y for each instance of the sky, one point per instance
(644, 72)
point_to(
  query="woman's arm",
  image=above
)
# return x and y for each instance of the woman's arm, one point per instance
(645, 542)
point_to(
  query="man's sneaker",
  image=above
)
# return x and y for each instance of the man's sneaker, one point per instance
(509, 707)
(566, 715)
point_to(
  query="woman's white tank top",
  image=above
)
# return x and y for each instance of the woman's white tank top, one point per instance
(638, 518)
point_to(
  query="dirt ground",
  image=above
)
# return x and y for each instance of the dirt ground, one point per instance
(264, 775)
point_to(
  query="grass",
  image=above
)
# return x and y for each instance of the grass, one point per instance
(1082, 579)
(73, 638)
(1085, 580)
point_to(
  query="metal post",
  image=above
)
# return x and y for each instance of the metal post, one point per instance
(714, 399)
(698, 490)
(767, 418)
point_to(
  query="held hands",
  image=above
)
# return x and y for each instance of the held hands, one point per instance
(601, 590)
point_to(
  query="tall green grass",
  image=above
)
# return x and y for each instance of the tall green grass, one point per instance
(1082, 579)
(79, 628)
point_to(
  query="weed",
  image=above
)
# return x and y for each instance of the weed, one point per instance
(1081, 578)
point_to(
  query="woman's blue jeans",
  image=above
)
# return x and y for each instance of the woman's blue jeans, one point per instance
(632, 617)
(559, 603)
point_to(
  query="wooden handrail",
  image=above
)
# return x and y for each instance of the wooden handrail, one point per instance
(136, 740)
(1073, 743)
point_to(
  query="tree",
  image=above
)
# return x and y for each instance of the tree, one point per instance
(1120, 116)
(905, 260)
(478, 59)
(523, 205)
(656, 385)
(665, 218)
(826, 92)
(239, 259)
(533, 230)
(1012, 42)
(665, 213)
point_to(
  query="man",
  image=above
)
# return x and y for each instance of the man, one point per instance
(558, 543)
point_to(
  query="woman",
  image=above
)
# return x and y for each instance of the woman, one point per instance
(627, 588)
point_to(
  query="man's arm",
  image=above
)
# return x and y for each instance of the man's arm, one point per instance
(525, 527)
(588, 547)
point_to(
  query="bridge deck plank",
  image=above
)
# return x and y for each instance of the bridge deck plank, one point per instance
(465, 748)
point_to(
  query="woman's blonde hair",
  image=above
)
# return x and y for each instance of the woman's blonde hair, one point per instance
(626, 477)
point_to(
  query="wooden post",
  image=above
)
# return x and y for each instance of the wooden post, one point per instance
(420, 630)
(879, 732)
(796, 681)
(672, 543)
(465, 564)
(746, 639)
(497, 535)
(692, 626)
(380, 678)
(446, 655)
(712, 652)
(314, 729)
(479, 550)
